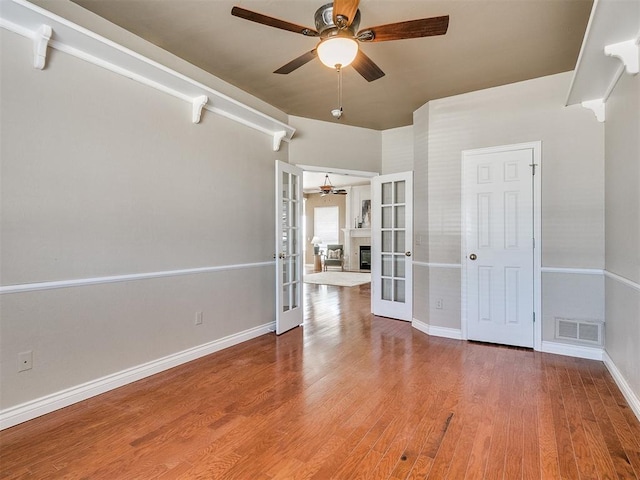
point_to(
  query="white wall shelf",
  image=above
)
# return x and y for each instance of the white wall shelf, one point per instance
(610, 47)
(46, 29)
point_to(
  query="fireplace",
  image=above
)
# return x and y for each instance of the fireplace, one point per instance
(365, 257)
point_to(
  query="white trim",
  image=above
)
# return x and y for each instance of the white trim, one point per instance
(337, 171)
(591, 353)
(536, 147)
(49, 403)
(26, 19)
(438, 265)
(629, 395)
(30, 287)
(626, 281)
(434, 331)
(577, 271)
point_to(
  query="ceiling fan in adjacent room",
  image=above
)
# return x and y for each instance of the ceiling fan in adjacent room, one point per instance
(328, 188)
(337, 27)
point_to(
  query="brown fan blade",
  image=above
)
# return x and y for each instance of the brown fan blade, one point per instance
(365, 67)
(345, 8)
(272, 22)
(422, 27)
(297, 62)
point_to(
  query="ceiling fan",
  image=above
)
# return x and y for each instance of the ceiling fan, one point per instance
(328, 188)
(337, 27)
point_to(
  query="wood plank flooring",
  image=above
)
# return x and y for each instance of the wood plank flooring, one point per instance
(348, 396)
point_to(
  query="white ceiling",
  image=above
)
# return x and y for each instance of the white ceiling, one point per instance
(489, 43)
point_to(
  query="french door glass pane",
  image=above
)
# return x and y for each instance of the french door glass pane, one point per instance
(399, 216)
(399, 241)
(285, 297)
(399, 260)
(387, 193)
(400, 189)
(387, 217)
(386, 288)
(399, 291)
(386, 241)
(285, 185)
(387, 265)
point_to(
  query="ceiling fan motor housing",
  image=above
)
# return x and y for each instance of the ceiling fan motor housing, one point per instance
(326, 27)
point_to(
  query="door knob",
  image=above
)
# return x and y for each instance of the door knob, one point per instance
(282, 256)
(408, 254)
(473, 256)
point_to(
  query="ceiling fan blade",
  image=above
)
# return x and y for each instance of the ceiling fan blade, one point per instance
(365, 67)
(345, 8)
(297, 62)
(272, 22)
(422, 27)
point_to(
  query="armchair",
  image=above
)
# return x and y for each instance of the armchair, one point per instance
(334, 257)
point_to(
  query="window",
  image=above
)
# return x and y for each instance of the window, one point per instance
(326, 225)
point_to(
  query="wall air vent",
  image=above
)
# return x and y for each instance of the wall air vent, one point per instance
(587, 331)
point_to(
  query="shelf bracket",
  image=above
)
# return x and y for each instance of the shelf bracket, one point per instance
(40, 44)
(597, 107)
(277, 139)
(198, 104)
(628, 52)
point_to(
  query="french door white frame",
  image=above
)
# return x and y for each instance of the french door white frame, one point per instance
(536, 147)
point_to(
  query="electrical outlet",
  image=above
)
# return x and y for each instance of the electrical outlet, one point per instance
(198, 318)
(25, 361)
(439, 304)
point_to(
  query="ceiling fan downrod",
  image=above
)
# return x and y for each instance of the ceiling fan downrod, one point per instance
(337, 112)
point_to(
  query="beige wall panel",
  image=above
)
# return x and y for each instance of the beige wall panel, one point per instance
(327, 144)
(622, 137)
(84, 333)
(444, 284)
(622, 337)
(622, 203)
(105, 176)
(397, 150)
(570, 296)
(420, 292)
(78, 15)
(572, 165)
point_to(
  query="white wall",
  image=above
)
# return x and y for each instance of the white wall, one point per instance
(329, 144)
(397, 150)
(622, 201)
(100, 177)
(572, 191)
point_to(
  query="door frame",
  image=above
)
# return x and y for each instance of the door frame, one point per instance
(536, 147)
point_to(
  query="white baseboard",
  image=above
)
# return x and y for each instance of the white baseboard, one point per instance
(434, 331)
(629, 395)
(41, 406)
(579, 351)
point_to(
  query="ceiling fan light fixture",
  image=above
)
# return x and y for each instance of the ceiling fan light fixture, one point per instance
(337, 51)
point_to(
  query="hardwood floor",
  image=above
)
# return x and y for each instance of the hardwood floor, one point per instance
(348, 396)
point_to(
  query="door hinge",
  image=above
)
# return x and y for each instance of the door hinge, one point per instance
(533, 168)
(534, 317)
(534, 242)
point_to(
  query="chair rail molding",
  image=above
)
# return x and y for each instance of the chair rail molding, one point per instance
(46, 29)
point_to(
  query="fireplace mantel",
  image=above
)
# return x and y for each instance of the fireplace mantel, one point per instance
(353, 238)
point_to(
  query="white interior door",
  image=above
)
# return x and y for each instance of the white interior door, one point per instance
(289, 203)
(498, 247)
(391, 240)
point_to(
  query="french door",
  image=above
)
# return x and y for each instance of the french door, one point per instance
(498, 257)
(289, 261)
(391, 241)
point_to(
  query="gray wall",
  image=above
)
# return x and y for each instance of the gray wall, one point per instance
(622, 201)
(572, 193)
(103, 176)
